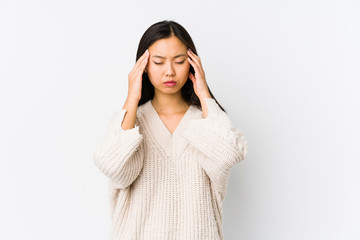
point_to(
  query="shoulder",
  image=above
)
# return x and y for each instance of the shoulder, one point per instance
(144, 108)
(196, 111)
(143, 113)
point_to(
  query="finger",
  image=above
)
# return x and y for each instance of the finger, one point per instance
(192, 54)
(196, 62)
(195, 66)
(145, 63)
(195, 57)
(143, 56)
(140, 69)
(141, 63)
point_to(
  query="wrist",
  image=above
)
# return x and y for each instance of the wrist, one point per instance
(203, 96)
(131, 99)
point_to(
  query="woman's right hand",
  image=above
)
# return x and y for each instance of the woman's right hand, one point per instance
(135, 76)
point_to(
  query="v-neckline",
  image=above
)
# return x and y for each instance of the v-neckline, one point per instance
(178, 127)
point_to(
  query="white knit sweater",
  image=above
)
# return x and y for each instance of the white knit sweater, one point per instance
(169, 186)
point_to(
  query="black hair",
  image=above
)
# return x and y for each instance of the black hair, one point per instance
(161, 30)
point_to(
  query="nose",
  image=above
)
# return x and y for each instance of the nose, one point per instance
(170, 69)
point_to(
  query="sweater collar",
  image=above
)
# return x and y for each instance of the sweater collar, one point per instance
(161, 133)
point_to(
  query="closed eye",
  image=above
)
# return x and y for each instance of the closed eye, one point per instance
(177, 62)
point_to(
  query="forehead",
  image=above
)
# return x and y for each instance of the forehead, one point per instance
(168, 47)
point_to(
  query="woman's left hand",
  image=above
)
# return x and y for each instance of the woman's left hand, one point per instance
(199, 81)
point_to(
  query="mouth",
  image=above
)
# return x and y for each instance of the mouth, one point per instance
(170, 83)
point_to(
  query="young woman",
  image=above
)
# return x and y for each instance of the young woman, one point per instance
(168, 152)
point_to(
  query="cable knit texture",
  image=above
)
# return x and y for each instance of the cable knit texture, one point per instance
(165, 185)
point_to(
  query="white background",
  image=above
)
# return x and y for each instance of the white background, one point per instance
(286, 71)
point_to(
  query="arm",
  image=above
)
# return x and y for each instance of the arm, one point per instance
(220, 142)
(119, 154)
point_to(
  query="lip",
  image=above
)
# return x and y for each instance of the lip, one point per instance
(170, 83)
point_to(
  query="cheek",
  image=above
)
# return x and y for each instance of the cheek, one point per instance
(152, 69)
(184, 70)
(154, 73)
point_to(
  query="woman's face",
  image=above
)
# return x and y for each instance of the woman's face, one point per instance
(168, 62)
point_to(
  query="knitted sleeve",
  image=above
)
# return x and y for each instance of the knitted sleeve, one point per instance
(119, 154)
(221, 143)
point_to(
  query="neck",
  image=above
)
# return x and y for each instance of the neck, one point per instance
(169, 103)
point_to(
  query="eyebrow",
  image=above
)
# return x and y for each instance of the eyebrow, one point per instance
(158, 56)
